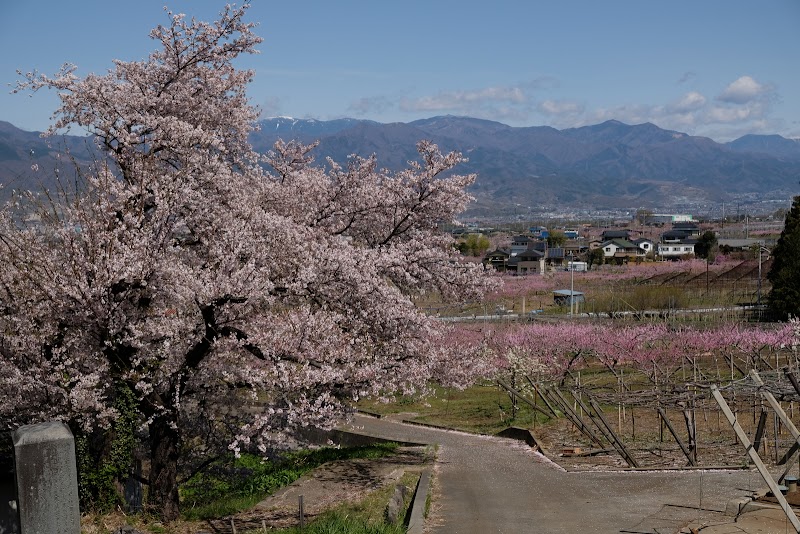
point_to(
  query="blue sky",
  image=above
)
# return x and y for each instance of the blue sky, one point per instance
(712, 67)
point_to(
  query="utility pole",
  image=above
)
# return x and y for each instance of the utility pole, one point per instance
(571, 265)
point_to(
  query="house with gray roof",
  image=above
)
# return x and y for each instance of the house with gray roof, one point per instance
(621, 250)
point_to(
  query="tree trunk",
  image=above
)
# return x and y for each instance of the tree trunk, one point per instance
(163, 490)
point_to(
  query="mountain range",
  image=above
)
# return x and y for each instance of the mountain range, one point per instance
(606, 165)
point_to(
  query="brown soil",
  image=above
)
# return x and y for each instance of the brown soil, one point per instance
(328, 486)
(652, 445)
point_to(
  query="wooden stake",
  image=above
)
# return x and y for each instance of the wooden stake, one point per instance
(618, 444)
(686, 452)
(301, 514)
(775, 432)
(776, 492)
(762, 420)
(543, 396)
(691, 432)
(576, 420)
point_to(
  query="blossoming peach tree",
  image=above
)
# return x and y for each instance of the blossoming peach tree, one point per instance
(201, 275)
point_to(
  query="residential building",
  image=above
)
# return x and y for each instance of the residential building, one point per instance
(676, 249)
(527, 262)
(521, 243)
(645, 244)
(608, 235)
(621, 250)
(497, 259)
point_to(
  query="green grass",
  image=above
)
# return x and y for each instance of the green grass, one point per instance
(484, 409)
(365, 517)
(338, 522)
(231, 484)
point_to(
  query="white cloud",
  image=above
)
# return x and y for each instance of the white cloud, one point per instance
(499, 103)
(560, 107)
(743, 90)
(370, 105)
(727, 114)
(271, 107)
(689, 102)
(743, 105)
(464, 101)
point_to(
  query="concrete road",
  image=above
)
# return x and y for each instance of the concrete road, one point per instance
(496, 485)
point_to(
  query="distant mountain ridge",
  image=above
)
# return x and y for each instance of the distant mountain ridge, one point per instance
(30, 162)
(602, 165)
(607, 164)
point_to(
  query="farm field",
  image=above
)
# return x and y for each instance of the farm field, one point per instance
(666, 286)
(614, 387)
(666, 419)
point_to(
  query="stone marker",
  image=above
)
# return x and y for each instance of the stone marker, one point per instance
(47, 479)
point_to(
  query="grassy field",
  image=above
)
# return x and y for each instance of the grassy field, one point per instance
(483, 408)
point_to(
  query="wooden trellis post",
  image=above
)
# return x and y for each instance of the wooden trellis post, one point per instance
(686, 452)
(521, 397)
(614, 439)
(762, 469)
(567, 410)
(542, 395)
(762, 421)
(784, 419)
(691, 431)
(793, 380)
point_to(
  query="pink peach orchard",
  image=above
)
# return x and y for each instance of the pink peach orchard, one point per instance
(548, 350)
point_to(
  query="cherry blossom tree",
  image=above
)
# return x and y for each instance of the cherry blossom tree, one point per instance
(243, 294)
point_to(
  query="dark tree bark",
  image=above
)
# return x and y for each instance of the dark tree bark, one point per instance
(164, 448)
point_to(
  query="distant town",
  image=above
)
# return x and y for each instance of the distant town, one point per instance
(540, 247)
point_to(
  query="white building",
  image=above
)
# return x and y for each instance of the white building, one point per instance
(663, 218)
(676, 250)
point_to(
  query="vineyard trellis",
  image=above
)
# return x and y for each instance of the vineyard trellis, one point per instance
(646, 390)
(586, 391)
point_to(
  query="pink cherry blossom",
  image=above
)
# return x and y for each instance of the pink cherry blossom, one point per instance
(240, 296)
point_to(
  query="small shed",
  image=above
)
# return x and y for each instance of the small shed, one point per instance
(562, 297)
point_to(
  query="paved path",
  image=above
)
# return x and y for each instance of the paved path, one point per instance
(495, 485)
